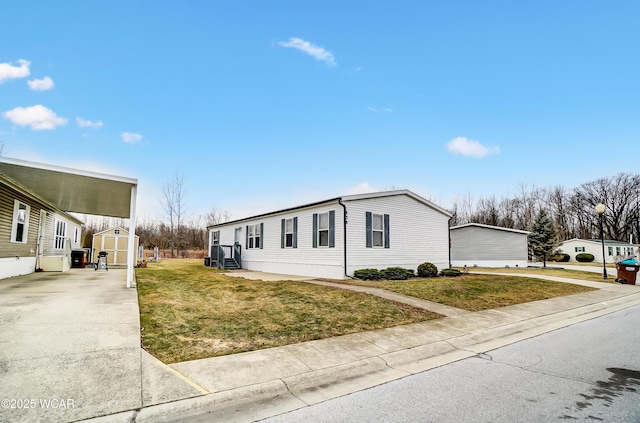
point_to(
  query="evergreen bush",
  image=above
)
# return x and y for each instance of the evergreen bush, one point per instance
(451, 272)
(396, 273)
(367, 274)
(427, 270)
(585, 257)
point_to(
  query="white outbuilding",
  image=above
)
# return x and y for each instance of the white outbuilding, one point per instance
(478, 245)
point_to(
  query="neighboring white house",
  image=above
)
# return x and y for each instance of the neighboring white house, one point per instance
(335, 237)
(613, 250)
(478, 245)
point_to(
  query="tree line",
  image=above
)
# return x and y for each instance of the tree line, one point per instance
(572, 212)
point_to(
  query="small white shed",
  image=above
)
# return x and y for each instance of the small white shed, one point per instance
(478, 245)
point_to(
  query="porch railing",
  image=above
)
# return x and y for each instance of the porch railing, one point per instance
(226, 256)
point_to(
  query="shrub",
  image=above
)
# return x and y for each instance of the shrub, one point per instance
(396, 273)
(427, 270)
(367, 274)
(584, 257)
(562, 257)
(451, 272)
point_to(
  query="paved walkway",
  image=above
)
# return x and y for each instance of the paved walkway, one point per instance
(75, 336)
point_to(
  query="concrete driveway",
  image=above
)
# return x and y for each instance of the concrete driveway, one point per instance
(69, 346)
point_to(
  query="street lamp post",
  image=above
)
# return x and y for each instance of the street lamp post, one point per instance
(600, 209)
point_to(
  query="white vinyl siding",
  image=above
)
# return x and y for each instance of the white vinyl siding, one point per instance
(488, 247)
(302, 260)
(418, 233)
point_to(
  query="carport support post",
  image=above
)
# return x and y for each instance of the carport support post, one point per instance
(131, 252)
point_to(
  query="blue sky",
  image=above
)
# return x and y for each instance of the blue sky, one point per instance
(263, 105)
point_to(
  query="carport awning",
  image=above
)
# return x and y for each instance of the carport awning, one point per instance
(73, 190)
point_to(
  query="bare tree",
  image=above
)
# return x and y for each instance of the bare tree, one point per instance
(173, 204)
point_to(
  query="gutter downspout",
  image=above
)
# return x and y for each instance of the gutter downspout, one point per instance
(344, 235)
(449, 233)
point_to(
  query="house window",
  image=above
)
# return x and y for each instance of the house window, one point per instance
(20, 225)
(579, 249)
(610, 251)
(76, 235)
(215, 237)
(377, 230)
(254, 235)
(289, 233)
(617, 251)
(60, 234)
(324, 229)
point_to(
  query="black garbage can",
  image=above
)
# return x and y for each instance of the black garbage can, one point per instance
(207, 261)
(77, 258)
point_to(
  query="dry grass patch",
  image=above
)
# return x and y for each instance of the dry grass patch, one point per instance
(550, 271)
(189, 311)
(478, 292)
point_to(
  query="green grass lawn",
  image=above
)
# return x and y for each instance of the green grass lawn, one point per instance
(189, 311)
(478, 292)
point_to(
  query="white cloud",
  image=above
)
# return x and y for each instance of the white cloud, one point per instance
(313, 50)
(88, 124)
(37, 117)
(130, 137)
(467, 147)
(380, 109)
(43, 84)
(362, 188)
(7, 71)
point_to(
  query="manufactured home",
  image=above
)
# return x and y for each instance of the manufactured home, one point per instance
(34, 234)
(478, 245)
(335, 237)
(614, 251)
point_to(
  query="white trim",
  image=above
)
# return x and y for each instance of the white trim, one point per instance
(57, 237)
(14, 222)
(499, 228)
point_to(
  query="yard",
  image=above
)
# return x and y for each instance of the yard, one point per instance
(189, 311)
(550, 271)
(478, 292)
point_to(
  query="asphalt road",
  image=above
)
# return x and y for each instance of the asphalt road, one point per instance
(586, 372)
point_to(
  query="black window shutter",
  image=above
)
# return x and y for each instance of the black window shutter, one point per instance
(295, 232)
(332, 228)
(246, 237)
(369, 240)
(315, 231)
(386, 231)
(261, 235)
(282, 229)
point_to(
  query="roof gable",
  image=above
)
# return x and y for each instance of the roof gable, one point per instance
(498, 228)
(354, 197)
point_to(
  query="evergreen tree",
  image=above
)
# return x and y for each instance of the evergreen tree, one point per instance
(543, 239)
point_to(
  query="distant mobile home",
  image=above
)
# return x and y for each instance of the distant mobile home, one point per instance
(614, 250)
(480, 245)
(335, 237)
